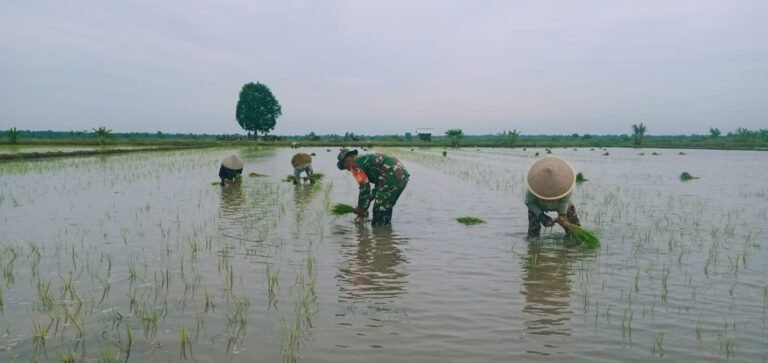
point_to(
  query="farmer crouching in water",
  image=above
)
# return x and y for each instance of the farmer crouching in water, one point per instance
(301, 163)
(550, 182)
(385, 172)
(231, 167)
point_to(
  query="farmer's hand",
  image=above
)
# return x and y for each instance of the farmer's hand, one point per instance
(561, 219)
(361, 213)
(546, 220)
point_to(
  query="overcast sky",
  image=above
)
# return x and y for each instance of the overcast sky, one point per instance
(385, 67)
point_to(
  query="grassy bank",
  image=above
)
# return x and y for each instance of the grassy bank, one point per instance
(667, 142)
(76, 153)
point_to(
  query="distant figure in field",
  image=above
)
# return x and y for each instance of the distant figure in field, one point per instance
(231, 167)
(301, 163)
(550, 182)
(388, 175)
(295, 145)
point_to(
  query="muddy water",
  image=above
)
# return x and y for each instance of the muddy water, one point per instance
(93, 248)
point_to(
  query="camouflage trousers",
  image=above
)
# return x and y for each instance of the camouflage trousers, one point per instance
(384, 201)
(534, 226)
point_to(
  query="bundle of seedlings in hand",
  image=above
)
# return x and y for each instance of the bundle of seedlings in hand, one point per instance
(585, 237)
(341, 209)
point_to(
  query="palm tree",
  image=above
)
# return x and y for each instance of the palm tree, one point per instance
(638, 131)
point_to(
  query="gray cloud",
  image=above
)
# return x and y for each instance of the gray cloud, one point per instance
(386, 67)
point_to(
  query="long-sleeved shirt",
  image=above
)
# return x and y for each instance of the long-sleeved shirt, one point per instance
(537, 206)
(378, 169)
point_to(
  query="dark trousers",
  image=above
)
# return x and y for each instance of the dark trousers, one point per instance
(534, 226)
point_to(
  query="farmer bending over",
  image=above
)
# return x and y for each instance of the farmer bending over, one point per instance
(550, 183)
(301, 163)
(385, 172)
(231, 167)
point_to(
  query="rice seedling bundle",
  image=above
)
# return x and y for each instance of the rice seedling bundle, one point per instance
(586, 237)
(341, 209)
(686, 176)
(580, 178)
(314, 177)
(468, 221)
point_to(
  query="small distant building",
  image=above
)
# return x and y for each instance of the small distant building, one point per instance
(425, 134)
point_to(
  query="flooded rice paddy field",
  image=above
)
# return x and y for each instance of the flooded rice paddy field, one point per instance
(139, 258)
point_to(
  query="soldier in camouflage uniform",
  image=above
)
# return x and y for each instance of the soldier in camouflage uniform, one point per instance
(385, 172)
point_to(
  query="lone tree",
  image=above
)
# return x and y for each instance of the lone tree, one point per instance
(13, 135)
(638, 131)
(456, 135)
(257, 109)
(714, 132)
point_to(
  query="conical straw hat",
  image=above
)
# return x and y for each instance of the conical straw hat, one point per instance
(551, 178)
(301, 160)
(233, 162)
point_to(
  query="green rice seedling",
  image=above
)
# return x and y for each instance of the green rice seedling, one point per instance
(149, 319)
(580, 178)
(109, 356)
(68, 357)
(341, 209)
(186, 342)
(585, 237)
(256, 175)
(39, 335)
(686, 176)
(658, 346)
(272, 282)
(655, 153)
(606, 153)
(665, 276)
(445, 153)
(209, 303)
(129, 336)
(2, 304)
(468, 221)
(536, 154)
(215, 183)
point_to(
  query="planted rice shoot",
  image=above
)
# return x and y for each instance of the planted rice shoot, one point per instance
(468, 221)
(256, 175)
(686, 176)
(585, 237)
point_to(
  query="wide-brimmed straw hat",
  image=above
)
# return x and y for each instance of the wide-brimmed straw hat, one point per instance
(233, 162)
(551, 178)
(343, 155)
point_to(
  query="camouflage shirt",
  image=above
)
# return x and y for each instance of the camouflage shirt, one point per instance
(378, 169)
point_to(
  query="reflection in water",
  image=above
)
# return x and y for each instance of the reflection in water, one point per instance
(373, 265)
(232, 202)
(547, 284)
(303, 195)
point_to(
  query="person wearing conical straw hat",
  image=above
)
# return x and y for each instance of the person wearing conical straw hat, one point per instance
(387, 174)
(231, 167)
(301, 162)
(550, 182)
